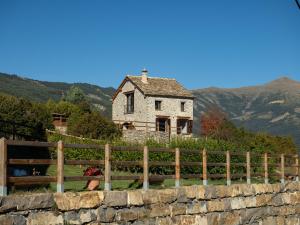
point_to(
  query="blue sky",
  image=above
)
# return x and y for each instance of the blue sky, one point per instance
(200, 43)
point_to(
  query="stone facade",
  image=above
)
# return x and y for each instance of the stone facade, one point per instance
(259, 204)
(144, 117)
(139, 136)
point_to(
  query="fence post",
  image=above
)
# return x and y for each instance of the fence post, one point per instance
(146, 168)
(297, 167)
(248, 159)
(107, 170)
(204, 167)
(177, 167)
(228, 168)
(266, 169)
(3, 167)
(282, 168)
(60, 167)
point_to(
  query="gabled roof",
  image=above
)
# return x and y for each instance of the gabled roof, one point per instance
(156, 86)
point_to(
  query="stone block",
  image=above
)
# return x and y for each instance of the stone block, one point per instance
(263, 199)
(167, 195)
(12, 220)
(72, 217)
(178, 209)
(87, 215)
(247, 190)
(238, 203)
(159, 210)
(45, 218)
(250, 202)
(201, 220)
(280, 220)
(213, 218)
(268, 220)
(185, 220)
(181, 195)
(150, 197)
(229, 218)
(191, 191)
(80, 200)
(106, 215)
(286, 198)
(28, 201)
(216, 205)
(126, 215)
(135, 198)
(234, 190)
(292, 220)
(164, 221)
(115, 198)
(200, 192)
(276, 200)
(211, 192)
(196, 207)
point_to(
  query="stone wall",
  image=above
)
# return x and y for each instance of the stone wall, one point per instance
(140, 136)
(236, 204)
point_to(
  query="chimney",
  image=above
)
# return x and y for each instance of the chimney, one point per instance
(144, 76)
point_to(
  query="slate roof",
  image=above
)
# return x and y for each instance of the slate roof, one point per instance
(160, 87)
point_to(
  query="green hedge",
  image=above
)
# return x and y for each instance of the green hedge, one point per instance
(187, 144)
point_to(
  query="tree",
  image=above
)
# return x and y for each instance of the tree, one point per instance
(20, 117)
(92, 125)
(76, 96)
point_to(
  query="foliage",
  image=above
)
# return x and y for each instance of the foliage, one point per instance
(24, 119)
(188, 154)
(92, 125)
(214, 124)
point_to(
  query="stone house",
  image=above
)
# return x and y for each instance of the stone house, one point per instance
(152, 107)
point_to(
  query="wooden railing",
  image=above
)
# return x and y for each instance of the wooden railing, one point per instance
(279, 167)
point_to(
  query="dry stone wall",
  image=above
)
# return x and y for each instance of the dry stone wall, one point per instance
(257, 204)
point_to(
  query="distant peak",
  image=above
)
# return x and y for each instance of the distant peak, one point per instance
(283, 79)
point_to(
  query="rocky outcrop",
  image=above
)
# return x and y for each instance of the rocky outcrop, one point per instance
(235, 204)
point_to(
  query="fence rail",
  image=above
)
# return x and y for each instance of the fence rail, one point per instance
(204, 164)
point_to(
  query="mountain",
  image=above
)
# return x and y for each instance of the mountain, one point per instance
(273, 107)
(42, 91)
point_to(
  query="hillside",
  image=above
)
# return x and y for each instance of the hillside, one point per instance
(42, 91)
(273, 107)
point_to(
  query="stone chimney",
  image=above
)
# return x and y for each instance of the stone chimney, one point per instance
(144, 76)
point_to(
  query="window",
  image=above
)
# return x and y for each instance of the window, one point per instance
(158, 105)
(182, 104)
(129, 107)
(163, 124)
(184, 126)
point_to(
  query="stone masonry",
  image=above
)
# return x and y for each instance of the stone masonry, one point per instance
(260, 204)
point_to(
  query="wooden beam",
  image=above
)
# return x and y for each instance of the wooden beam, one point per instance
(297, 167)
(248, 159)
(3, 167)
(107, 172)
(177, 167)
(146, 169)
(266, 170)
(204, 167)
(228, 177)
(60, 167)
(282, 168)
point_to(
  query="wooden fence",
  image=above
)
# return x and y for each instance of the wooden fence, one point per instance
(60, 162)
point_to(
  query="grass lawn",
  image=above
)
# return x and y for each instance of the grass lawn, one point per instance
(70, 170)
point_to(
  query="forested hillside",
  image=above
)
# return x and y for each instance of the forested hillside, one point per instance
(42, 91)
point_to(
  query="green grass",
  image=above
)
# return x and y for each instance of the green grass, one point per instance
(78, 186)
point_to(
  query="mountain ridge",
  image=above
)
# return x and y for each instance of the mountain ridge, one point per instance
(273, 107)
